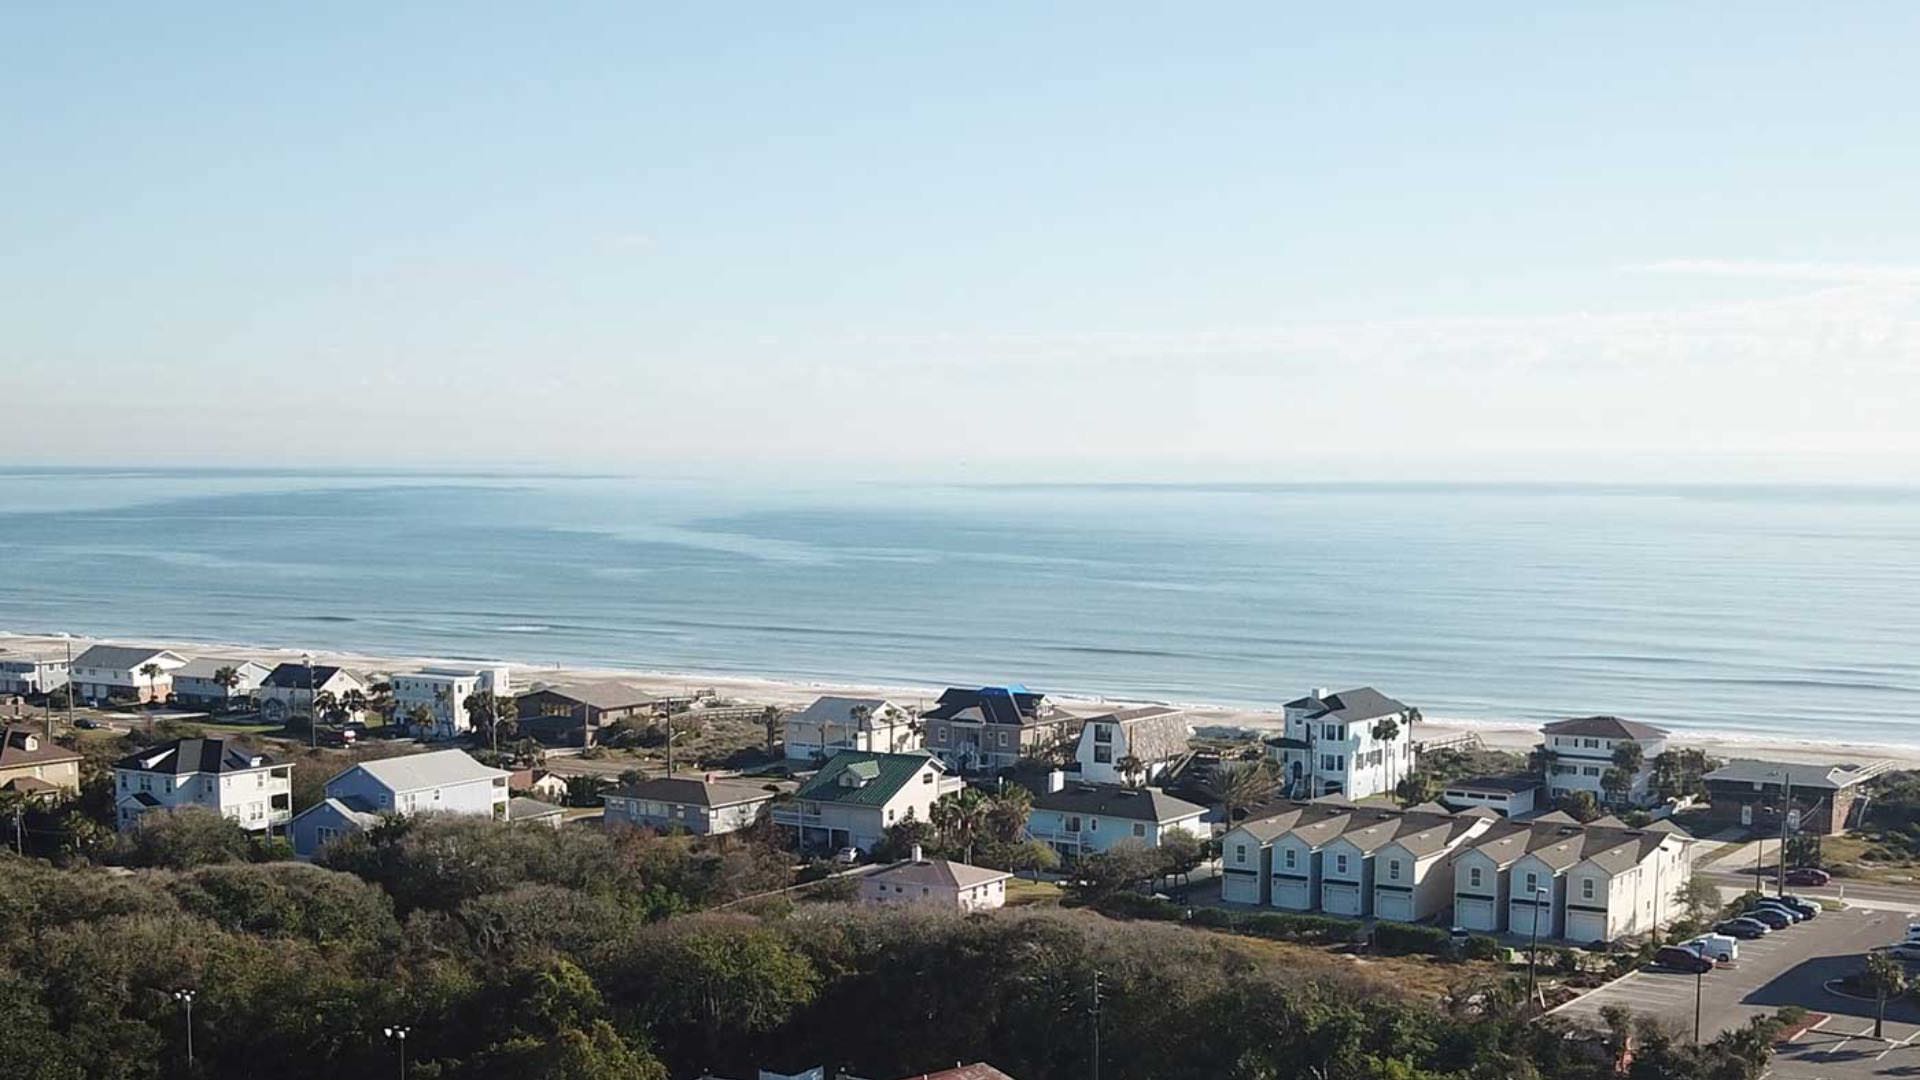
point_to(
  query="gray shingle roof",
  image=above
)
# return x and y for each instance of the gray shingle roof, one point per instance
(294, 676)
(411, 772)
(521, 808)
(599, 695)
(1605, 727)
(206, 667)
(195, 756)
(690, 791)
(1114, 801)
(940, 872)
(1501, 784)
(838, 711)
(1349, 706)
(119, 657)
(1823, 777)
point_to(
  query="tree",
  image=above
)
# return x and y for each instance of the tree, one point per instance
(1239, 784)
(1700, 898)
(1883, 977)
(1180, 852)
(1628, 759)
(184, 838)
(354, 701)
(1616, 784)
(326, 707)
(959, 817)
(1540, 761)
(1131, 769)
(152, 672)
(1385, 730)
(1007, 813)
(1103, 873)
(482, 706)
(226, 678)
(770, 720)
(421, 718)
(1578, 805)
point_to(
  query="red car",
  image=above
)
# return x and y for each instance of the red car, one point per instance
(1808, 875)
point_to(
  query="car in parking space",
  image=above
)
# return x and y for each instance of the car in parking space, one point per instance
(1743, 927)
(1806, 908)
(1680, 958)
(1906, 950)
(1808, 875)
(1720, 948)
(1783, 908)
(1775, 918)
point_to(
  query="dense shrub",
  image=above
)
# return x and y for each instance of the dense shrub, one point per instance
(1398, 939)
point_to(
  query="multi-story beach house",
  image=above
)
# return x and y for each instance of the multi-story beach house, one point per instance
(198, 682)
(30, 674)
(1587, 884)
(834, 723)
(35, 767)
(1333, 744)
(230, 778)
(856, 795)
(1131, 746)
(1578, 753)
(439, 782)
(1411, 878)
(1247, 867)
(291, 689)
(702, 805)
(1746, 793)
(993, 727)
(440, 695)
(124, 673)
(574, 714)
(1077, 818)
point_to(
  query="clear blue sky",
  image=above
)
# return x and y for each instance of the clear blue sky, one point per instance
(1396, 240)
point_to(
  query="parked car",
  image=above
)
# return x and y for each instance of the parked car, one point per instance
(1807, 908)
(1783, 908)
(1743, 927)
(1772, 916)
(86, 723)
(1720, 948)
(1906, 950)
(1808, 875)
(1680, 958)
(847, 856)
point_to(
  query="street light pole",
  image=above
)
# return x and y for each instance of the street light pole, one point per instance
(68, 638)
(1533, 950)
(1095, 1011)
(313, 722)
(1698, 974)
(185, 997)
(399, 1035)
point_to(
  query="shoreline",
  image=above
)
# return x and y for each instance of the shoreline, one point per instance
(1494, 734)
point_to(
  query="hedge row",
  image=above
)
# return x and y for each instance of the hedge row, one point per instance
(1391, 938)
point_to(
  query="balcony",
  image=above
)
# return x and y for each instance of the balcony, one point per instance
(797, 815)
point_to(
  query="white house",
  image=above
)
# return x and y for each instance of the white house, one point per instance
(290, 690)
(857, 794)
(1246, 851)
(196, 682)
(936, 882)
(1481, 874)
(114, 673)
(442, 692)
(1510, 796)
(32, 673)
(704, 805)
(1348, 868)
(832, 724)
(1328, 745)
(443, 782)
(1588, 884)
(1410, 879)
(1153, 735)
(1579, 753)
(236, 781)
(1079, 818)
(1297, 860)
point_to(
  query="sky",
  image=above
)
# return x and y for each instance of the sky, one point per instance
(1273, 241)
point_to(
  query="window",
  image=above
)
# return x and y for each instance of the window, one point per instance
(1103, 755)
(1473, 877)
(889, 817)
(1586, 888)
(1393, 869)
(940, 734)
(1139, 828)
(1003, 738)
(1590, 744)
(1102, 733)
(1341, 763)
(1533, 884)
(1240, 854)
(1590, 770)
(1326, 762)
(1290, 859)
(927, 777)
(1093, 824)
(1340, 864)
(1073, 824)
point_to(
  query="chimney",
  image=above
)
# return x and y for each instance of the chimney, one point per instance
(1056, 781)
(1321, 692)
(916, 854)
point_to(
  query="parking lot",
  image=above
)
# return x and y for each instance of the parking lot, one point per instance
(1787, 967)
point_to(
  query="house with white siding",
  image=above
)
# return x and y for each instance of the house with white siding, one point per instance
(442, 782)
(30, 674)
(856, 795)
(1246, 851)
(834, 723)
(1152, 736)
(1411, 881)
(116, 673)
(1579, 752)
(291, 689)
(1589, 884)
(1080, 819)
(941, 883)
(1509, 796)
(1349, 867)
(1297, 860)
(198, 682)
(1481, 874)
(439, 694)
(1328, 746)
(702, 805)
(230, 778)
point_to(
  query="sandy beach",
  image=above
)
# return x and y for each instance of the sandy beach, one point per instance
(1515, 737)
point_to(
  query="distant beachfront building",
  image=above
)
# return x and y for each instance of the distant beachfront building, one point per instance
(442, 692)
(573, 715)
(121, 673)
(35, 767)
(230, 778)
(832, 724)
(993, 727)
(197, 683)
(291, 689)
(1146, 739)
(1328, 746)
(441, 782)
(1579, 753)
(32, 673)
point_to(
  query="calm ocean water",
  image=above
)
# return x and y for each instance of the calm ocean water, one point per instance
(1791, 612)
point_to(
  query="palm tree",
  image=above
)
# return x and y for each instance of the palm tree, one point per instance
(1007, 815)
(354, 701)
(326, 705)
(1237, 784)
(1628, 757)
(1385, 730)
(152, 672)
(770, 719)
(1886, 978)
(226, 678)
(421, 717)
(959, 817)
(1131, 769)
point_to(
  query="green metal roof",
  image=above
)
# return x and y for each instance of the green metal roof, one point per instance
(883, 775)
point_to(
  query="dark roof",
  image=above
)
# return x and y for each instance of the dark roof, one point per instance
(194, 756)
(881, 777)
(598, 695)
(998, 704)
(1349, 706)
(118, 657)
(14, 752)
(1772, 773)
(145, 799)
(688, 791)
(1115, 801)
(293, 676)
(1495, 783)
(979, 1070)
(1605, 727)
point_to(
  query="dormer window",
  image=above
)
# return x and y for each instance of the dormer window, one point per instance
(1102, 733)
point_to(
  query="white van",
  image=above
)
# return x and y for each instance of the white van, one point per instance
(1719, 948)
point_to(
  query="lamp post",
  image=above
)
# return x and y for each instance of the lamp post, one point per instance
(68, 638)
(185, 998)
(1698, 973)
(399, 1035)
(313, 722)
(1533, 950)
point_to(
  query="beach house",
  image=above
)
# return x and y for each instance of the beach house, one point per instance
(1588, 884)
(1578, 754)
(993, 727)
(1131, 746)
(1077, 818)
(290, 690)
(574, 714)
(33, 766)
(702, 805)
(834, 723)
(31, 673)
(441, 782)
(1298, 859)
(857, 794)
(942, 883)
(228, 777)
(1746, 793)
(1356, 743)
(432, 701)
(124, 673)
(1246, 851)
(1411, 881)
(200, 682)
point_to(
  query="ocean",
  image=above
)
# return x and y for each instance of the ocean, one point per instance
(1778, 612)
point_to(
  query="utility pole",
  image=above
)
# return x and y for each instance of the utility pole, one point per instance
(669, 742)
(69, 640)
(1094, 1010)
(185, 997)
(313, 722)
(1780, 883)
(1697, 973)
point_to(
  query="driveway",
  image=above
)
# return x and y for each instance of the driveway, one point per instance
(1787, 967)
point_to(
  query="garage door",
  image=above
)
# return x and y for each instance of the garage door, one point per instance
(1340, 899)
(1395, 906)
(1520, 920)
(1240, 888)
(1292, 894)
(1584, 926)
(1475, 914)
